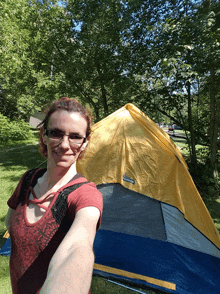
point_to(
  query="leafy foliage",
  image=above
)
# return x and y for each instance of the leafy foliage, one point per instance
(163, 56)
(13, 130)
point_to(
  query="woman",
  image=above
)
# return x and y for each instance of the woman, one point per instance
(52, 226)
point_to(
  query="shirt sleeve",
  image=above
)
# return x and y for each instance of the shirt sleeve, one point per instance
(86, 195)
(13, 201)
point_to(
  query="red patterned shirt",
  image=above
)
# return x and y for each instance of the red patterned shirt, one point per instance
(33, 245)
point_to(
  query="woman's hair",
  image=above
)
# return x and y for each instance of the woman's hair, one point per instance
(67, 104)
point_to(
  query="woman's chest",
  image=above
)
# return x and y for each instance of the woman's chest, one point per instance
(36, 209)
(32, 235)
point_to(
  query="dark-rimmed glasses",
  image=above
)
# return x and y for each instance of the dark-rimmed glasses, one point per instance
(57, 136)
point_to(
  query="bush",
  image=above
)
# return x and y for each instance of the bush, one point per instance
(207, 183)
(13, 130)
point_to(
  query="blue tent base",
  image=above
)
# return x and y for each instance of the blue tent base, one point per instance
(189, 270)
(6, 248)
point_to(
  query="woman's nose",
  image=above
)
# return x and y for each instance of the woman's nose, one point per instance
(65, 142)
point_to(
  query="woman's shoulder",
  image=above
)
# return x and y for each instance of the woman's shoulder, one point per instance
(86, 194)
(78, 180)
(20, 191)
(33, 173)
(81, 187)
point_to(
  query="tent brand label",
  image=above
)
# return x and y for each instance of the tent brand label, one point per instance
(127, 179)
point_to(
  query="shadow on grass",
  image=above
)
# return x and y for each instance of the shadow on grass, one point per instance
(26, 156)
(104, 286)
(178, 140)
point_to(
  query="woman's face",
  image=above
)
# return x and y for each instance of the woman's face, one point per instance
(63, 150)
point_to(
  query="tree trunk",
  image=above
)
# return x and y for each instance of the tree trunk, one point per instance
(191, 128)
(214, 122)
(103, 91)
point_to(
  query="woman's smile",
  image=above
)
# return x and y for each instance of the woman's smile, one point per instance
(63, 155)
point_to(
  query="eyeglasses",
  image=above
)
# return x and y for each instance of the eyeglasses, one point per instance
(57, 137)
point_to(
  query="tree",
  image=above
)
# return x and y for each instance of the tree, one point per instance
(210, 18)
(161, 55)
(15, 65)
(81, 47)
(183, 45)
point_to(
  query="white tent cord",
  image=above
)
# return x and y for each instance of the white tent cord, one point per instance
(41, 163)
(132, 289)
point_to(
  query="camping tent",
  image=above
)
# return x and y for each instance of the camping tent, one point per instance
(6, 248)
(156, 230)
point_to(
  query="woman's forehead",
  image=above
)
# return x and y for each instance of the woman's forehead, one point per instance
(63, 119)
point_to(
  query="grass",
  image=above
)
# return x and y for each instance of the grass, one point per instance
(15, 160)
(4, 275)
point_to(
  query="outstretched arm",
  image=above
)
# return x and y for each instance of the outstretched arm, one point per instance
(70, 269)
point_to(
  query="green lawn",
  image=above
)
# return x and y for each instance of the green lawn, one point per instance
(14, 161)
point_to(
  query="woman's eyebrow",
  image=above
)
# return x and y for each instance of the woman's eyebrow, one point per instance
(76, 133)
(71, 133)
(57, 129)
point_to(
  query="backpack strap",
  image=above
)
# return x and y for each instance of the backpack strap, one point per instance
(27, 182)
(59, 208)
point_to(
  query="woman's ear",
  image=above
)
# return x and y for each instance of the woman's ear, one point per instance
(83, 147)
(85, 144)
(87, 141)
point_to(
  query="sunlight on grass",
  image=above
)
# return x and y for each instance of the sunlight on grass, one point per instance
(4, 275)
(5, 286)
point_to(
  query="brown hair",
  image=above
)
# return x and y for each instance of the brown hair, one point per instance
(67, 104)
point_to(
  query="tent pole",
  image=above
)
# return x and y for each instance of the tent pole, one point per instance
(132, 289)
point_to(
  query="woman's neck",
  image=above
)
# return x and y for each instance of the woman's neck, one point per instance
(58, 177)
